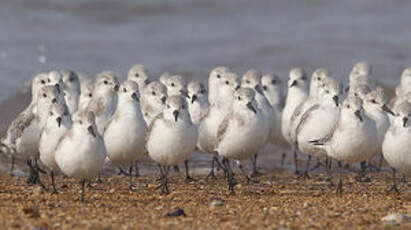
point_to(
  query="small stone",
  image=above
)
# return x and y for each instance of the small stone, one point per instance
(37, 191)
(216, 202)
(395, 217)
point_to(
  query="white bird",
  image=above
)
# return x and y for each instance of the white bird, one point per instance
(251, 79)
(354, 136)
(58, 123)
(81, 151)
(361, 73)
(396, 146)
(87, 89)
(197, 100)
(213, 79)
(104, 101)
(403, 89)
(139, 74)
(318, 80)
(175, 85)
(126, 131)
(273, 91)
(23, 134)
(215, 114)
(297, 94)
(153, 100)
(171, 137)
(242, 133)
(318, 120)
(376, 108)
(71, 89)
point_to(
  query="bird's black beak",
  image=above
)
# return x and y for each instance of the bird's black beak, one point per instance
(388, 110)
(358, 115)
(175, 113)
(146, 81)
(294, 83)
(184, 93)
(405, 122)
(251, 107)
(193, 98)
(58, 119)
(163, 100)
(347, 89)
(237, 87)
(116, 87)
(54, 101)
(57, 85)
(335, 98)
(91, 131)
(258, 89)
(135, 97)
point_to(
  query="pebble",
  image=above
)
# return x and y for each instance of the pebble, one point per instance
(395, 217)
(216, 202)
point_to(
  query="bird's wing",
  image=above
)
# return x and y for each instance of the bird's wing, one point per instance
(204, 114)
(302, 122)
(222, 128)
(327, 137)
(150, 127)
(96, 106)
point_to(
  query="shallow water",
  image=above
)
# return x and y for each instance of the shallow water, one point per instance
(182, 36)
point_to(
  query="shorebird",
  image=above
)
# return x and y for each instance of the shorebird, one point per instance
(104, 100)
(297, 94)
(71, 89)
(251, 79)
(242, 133)
(197, 100)
(81, 152)
(153, 100)
(396, 146)
(139, 74)
(171, 137)
(213, 79)
(58, 123)
(353, 137)
(87, 89)
(215, 114)
(127, 123)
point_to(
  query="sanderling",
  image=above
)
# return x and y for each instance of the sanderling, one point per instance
(251, 79)
(297, 94)
(361, 73)
(58, 123)
(171, 137)
(104, 100)
(403, 89)
(153, 99)
(215, 114)
(215, 76)
(242, 133)
(197, 100)
(353, 137)
(129, 123)
(71, 89)
(81, 151)
(318, 79)
(376, 108)
(318, 120)
(86, 92)
(175, 85)
(396, 146)
(139, 74)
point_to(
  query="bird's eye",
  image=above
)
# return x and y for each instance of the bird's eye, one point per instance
(137, 75)
(51, 113)
(90, 95)
(348, 106)
(248, 82)
(303, 78)
(356, 94)
(227, 82)
(239, 98)
(65, 114)
(154, 93)
(105, 82)
(273, 82)
(43, 82)
(318, 78)
(125, 90)
(81, 122)
(218, 76)
(168, 106)
(48, 80)
(44, 95)
(172, 85)
(265, 88)
(373, 101)
(71, 79)
(327, 91)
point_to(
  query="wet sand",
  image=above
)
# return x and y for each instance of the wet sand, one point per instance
(279, 200)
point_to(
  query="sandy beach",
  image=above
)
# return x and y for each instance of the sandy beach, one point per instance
(278, 201)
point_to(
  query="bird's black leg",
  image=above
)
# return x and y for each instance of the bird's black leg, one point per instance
(296, 163)
(130, 177)
(340, 186)
(176, 168)
(137, 170)
(83, 189)
(255, 172)
(211, 174)
(99, 180)
(380, 163)
(404, 179)
(188, 177)
(240, 166)
(283, 155)
(55, 192)
(305, 175)
(13, 159)
(230, 176)
(393, 188)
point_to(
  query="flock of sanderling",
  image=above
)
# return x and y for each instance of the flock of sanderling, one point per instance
(72, 125)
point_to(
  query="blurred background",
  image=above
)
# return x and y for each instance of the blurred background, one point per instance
(192, 37)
